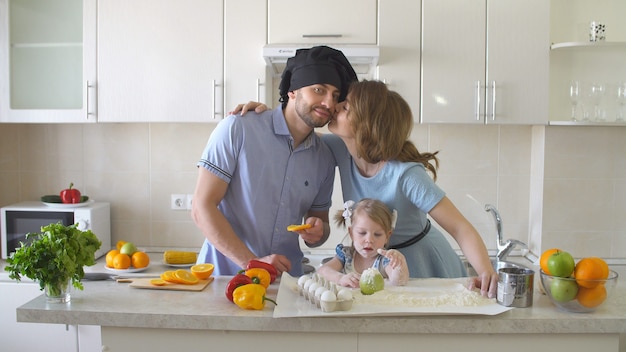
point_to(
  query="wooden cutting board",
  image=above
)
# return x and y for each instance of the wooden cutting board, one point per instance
(145, 283)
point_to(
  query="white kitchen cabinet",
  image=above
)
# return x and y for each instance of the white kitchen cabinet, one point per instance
(160, 60)
(30, 336)
(399, 41)
(323, 21)
(485, 61)
(244, 67)
(48, 61)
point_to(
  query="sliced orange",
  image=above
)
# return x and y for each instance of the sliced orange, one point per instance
(202, 271)
(185, 277)
(169, 276)
(158, 282)
(298, 227)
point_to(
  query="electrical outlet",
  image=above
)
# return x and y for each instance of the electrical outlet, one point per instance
(178, 202)
(189, 200)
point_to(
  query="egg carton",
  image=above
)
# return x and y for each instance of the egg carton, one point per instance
(324, 294)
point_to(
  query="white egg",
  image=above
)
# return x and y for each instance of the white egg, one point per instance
(312, 288)
(329, 296)
(344, 294)
(302, 280)
(320, 291)
(308, 283)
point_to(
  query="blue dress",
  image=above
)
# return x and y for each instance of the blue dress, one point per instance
(408, 188)
(346, 255)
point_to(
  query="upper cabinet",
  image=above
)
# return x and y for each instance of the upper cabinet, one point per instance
(160, 60)
(245, 70)
(485, 61)
(575, 58)
(47, 61)
(399, 41)
(325, 21)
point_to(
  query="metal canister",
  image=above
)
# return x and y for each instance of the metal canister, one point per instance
(515, 287)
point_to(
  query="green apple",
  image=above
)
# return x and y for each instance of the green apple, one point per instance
(128, 249)
(371, 281)
(563, 290)
(561, 264)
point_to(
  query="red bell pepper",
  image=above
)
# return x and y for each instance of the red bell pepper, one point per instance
(70, 195)
(236, 281)
(263, 265)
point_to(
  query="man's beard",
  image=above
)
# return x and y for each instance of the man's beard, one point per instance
(305, 112)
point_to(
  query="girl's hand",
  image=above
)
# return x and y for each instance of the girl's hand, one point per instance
(251, 105)
(349, 280)
(396, 259)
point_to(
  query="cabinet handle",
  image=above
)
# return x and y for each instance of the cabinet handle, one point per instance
(214, 88)
(88, 90)
(493, 100)
(322, 36)
(258, 89)
(477, 107)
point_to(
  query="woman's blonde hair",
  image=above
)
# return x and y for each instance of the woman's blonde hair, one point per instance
(382, 121)
(373, 208)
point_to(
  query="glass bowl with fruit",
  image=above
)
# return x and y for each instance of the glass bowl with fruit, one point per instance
(578, 295)
(572, 286)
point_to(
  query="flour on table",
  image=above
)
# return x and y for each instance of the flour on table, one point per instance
(424, 293)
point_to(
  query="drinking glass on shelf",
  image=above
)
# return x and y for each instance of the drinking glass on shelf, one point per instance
(596, 93)
(574, 97)
(621, 101)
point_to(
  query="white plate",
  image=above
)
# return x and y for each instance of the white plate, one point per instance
(69, 205)
(179, 265)
(129, 270)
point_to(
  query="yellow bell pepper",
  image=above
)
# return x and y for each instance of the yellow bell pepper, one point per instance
(259, 276)
(251, 296)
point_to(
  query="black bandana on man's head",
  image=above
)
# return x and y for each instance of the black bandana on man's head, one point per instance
(317, 65)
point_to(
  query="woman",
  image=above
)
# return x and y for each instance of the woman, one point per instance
(376, 159)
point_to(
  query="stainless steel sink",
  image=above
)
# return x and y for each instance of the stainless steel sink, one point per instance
(497, 264)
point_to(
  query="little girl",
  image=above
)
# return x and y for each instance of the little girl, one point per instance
(371, 224)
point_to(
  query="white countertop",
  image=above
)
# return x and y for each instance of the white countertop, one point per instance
(108, 303)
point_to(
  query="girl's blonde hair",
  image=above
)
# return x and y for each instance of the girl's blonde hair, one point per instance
(373, 208)
(382, 121)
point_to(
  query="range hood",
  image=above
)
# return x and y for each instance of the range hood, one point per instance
(363, 58)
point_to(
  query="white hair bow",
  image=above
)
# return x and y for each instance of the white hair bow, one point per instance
(394, 219)
(347, 210)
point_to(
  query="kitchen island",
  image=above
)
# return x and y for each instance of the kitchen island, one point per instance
(158, 320)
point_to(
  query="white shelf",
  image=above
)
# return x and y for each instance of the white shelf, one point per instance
(586, 123)
(602, 44)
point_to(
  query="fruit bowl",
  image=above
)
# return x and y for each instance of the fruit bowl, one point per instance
(578, 296)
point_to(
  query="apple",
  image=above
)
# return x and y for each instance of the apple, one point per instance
(371, 281)
(128, 248)
(563, 290)
(561, 264)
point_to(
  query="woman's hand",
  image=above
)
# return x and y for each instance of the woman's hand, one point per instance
(349, 280)
(251, 105)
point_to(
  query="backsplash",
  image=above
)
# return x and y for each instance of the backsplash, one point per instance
(137, 166)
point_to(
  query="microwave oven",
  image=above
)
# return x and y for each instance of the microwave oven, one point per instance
(19, 219)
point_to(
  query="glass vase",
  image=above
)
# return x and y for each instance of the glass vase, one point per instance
(59, 293)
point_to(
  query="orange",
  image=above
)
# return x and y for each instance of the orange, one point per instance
(202, 271)
(185, 277)
(169, 276)
(591, 297)
(140, 260)
(543, 260)
(591, 268)
(119, 244)
(121, 261)
(110, 255)
(157, 282)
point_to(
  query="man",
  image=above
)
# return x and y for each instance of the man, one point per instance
(260, 173)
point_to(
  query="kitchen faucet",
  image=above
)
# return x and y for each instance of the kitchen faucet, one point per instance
(504, 248)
